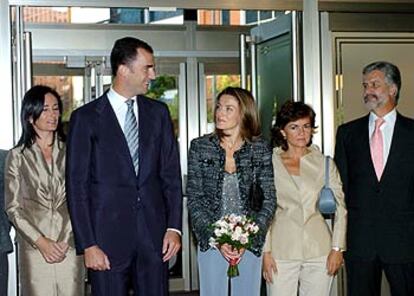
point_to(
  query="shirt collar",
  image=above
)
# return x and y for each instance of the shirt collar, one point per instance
(389, 118)
(117, 101)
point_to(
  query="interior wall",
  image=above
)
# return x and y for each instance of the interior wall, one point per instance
(356, 53)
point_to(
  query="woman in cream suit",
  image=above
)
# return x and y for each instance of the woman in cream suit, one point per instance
(36, 200)
(300, 251)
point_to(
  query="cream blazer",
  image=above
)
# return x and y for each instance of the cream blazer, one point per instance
(36, 197)
(299, 231)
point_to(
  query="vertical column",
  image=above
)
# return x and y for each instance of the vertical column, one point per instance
(328, 106)
(311, 63)
(6, 106)
(243, 69)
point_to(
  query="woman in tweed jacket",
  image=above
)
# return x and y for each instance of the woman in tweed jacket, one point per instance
(220, 174)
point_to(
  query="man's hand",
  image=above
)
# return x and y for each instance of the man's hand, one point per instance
(334, 262)
(171, 245)
(51, 251)
(96, 259)
(269, 267)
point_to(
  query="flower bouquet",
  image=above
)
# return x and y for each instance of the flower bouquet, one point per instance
(237, 231)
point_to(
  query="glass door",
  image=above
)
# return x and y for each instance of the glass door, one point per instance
(274, 74)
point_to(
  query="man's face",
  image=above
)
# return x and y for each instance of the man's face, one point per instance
(379, 95)
(141, 71)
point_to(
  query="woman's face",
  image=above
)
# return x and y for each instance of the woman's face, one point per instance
(298, 133)
(49, 118)
(228, 115)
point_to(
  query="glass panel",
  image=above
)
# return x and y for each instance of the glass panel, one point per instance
(46, 14)
(68, 88)
(251, 17)
(214, 85)
(167, 17)
(88, 15)
(274, 77)
(165, 89)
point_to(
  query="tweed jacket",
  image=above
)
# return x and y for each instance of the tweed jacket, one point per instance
(5, 242)
(206, 163)
(36, 197)
(299, 231)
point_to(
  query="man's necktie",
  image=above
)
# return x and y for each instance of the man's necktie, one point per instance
(377, 148)
(131, 133)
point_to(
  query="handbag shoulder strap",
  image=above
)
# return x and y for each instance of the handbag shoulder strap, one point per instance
(326, 171)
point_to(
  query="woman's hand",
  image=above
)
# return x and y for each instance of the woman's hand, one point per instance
(269, 267)
(334, 262)
(229, 253)
(51, 251)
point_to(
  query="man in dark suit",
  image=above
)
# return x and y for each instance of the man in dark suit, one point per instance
(123, 180)
(375, 158)
(5, 241)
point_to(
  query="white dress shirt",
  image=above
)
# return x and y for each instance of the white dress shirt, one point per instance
(387, 129)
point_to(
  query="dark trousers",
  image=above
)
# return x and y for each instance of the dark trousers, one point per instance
(364, 277)
(4, 273)
(143, 270)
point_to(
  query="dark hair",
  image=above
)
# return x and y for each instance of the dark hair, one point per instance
(391, 72)
(32, 107)
(125, 51)
(290, 111)
(250, 124)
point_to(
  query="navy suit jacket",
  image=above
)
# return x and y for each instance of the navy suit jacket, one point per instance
(104, 193)
(380, 213)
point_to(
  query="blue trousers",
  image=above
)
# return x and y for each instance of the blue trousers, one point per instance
(213, 274)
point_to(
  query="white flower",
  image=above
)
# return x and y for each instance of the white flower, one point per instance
(244, 239)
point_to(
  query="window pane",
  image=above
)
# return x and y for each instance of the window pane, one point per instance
(165, 89)
(214, 85)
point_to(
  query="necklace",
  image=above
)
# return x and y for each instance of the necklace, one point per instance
(227, 145)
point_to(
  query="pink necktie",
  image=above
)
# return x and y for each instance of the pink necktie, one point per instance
(377, 148)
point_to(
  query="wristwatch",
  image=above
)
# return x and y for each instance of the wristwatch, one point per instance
(338, 249)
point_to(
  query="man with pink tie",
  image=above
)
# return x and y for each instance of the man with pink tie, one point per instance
(375, 158)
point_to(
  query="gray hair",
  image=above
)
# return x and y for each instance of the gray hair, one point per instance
(391, 72)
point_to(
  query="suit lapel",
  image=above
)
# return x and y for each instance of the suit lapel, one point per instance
(394, 149)
(146, 131)
(112, 133)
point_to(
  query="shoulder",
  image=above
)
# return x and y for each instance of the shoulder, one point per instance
(354, 124)
(88, 109)
(401, 119)
(15, 155)
(314, 156)
(260, 145)
(204, 141)
(152, 103)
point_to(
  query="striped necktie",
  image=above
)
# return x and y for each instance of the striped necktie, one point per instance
(131, 133)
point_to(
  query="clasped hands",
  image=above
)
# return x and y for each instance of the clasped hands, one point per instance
(52, 252)
(96, 259)
(229, 253)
